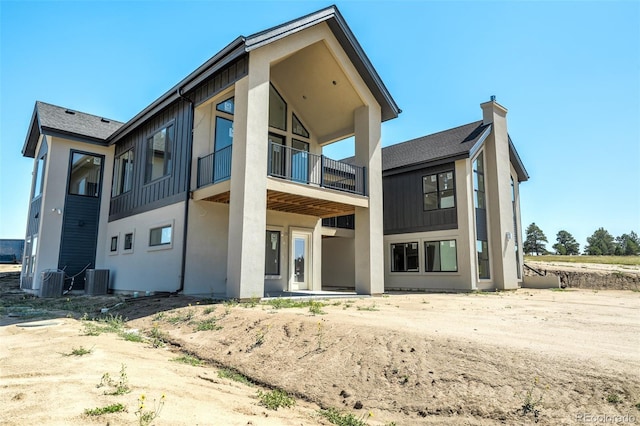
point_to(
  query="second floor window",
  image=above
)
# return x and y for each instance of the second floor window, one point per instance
(123, 174)
(439, 190)
(159, 154)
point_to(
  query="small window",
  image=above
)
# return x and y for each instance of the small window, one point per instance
(159, 154)
(277, 110)
(160, 236)
(39, 182)
(34, 250)
(85, 174)
(277, 155)
(439, 191)
(440, 256)
(298, 128)
(226, 106)
(114, 244)
(123, 174)
(272, 253)
(404, 257)
(128, 241)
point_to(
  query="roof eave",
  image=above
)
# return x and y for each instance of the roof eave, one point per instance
(523, 175)
(31, 141)
(423, 164)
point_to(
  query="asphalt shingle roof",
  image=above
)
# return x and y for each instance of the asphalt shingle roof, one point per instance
(446, 144)
(64, 120)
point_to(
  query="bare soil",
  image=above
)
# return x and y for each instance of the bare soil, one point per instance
(406, 358)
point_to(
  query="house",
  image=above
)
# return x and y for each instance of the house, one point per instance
(219, 186)
(451, 211)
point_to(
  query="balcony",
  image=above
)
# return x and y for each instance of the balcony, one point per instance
(303, 167)
(298, 182)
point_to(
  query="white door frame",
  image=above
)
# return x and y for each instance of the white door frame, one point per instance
(307, 235)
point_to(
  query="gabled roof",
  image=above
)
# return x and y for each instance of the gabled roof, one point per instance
(242, 45)
(53, 120)
(446, 146)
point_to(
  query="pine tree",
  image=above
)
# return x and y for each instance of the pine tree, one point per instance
(600, 243)
(534, 243)
(627, 244)
(566, 244)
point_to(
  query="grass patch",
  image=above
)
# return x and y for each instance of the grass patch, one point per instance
(207, 325)
(189, 360)
(99, 411)
(180, 317)
(227, 373)
(605, 260)
(344, 419)
(275, 399)
(132, 336)
(79, 351)
(368, 308)
(109, 324)
(614, 398)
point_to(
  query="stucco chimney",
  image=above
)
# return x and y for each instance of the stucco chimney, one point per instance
(490, 109)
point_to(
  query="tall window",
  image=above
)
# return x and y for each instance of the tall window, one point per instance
(159, 154)
(272, 253)
(439, 191)
(34, 251)
(480, 202)
(440, 256)
(123, 174)
(85, 174)
(404, 257)
(39, 182)
(277, 110)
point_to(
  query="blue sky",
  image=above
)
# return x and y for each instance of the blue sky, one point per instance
(568, 72)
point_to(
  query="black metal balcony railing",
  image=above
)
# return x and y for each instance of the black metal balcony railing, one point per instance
(304, 167)
(215, 167)
(290, 164)
(344, 222)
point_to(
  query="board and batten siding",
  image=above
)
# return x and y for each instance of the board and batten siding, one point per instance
(403, 203)
(172, 188)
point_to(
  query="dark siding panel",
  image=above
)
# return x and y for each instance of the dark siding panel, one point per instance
(144, 197)
(403, 207)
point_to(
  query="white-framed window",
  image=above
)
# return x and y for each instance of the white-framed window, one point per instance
(440, 256)
(34, 251)
(482, 225)
(128, 241)
(161, 236)
(113, 244)
(26, 258)
(404, 257)
(39, 180)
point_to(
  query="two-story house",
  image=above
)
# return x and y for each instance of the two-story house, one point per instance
(219, 186)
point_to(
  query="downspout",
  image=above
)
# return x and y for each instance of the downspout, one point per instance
(183, 265)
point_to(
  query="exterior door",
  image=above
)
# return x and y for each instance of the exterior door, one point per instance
(300, 260)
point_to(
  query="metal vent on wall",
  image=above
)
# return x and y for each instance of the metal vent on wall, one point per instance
(51, 283)
(96, 282)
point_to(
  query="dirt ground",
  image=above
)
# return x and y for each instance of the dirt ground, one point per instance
(571, 356)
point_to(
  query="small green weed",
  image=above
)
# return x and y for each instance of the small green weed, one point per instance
(109, 324)
(120, 387)
(227, 373)
(188, 359)
(209, 310)
(614, 398)
(99, 411)
(159, 316)
(531, 402)
(344, 419)
(275, 399)
(180, 317)
(79, 351)
(316, 307)
(638, 406)
(131, 336)
(157, 336)
(145, 417)
(368, 308)
(207, 325)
